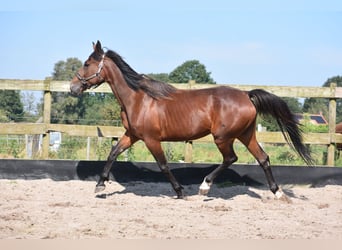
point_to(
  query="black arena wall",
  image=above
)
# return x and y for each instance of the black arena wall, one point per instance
(252, 175)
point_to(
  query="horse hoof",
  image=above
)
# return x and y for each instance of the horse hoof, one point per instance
(180, 196)
(203, 192)
(204, 188)
(280, 195)
(99, 188)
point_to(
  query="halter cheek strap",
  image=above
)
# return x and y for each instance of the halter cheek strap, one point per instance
(84, 80)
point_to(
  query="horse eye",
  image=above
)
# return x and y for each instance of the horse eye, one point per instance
(86, 64)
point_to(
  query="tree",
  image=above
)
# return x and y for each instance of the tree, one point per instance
(316, 106)
(101, 107)
(270, 123)
(294, 104)
(90, 108)
(320, 105)
(65, 108)
(32, 109)
(163, 77)
(191, 70)
(3, 116)
(11, 106)
(338, 81)
(65, 70)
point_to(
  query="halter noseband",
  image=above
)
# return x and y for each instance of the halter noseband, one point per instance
(84, 80)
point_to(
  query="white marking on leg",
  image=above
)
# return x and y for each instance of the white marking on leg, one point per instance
(279, 194)
(204, 188)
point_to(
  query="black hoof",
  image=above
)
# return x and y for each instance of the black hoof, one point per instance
(180, 194)
(181, 197)
(99, 188)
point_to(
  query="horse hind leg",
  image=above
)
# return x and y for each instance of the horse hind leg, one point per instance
(263, 160)
(229, 157)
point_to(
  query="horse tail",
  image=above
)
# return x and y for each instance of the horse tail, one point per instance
(270, 104)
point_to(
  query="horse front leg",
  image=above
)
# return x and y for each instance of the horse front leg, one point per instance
(158, 153)
(125, 142)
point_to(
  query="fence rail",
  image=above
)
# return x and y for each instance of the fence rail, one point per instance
(47, 86)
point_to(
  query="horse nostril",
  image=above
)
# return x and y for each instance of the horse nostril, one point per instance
(73, 93)
(75, 90)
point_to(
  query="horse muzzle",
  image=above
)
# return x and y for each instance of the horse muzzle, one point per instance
(76, 89)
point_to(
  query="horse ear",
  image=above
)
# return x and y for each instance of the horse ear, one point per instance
(98, 47)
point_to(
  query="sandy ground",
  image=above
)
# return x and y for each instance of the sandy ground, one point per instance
(45, 209)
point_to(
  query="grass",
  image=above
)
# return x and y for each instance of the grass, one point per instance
(75, 148)
(280, 154)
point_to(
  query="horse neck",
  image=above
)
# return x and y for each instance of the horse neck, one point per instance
(123, 93)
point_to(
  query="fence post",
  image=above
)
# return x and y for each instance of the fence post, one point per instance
(88, 148)
(332, 127)
(188, 152)
(46, 117)
(191, 83)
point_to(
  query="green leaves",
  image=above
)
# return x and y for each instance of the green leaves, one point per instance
(11, 107)
(191, 70)
(88, 109)
(319, 105)
(66, 70)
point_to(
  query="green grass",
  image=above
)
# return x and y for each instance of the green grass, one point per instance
(280, 154)
(12, 146)
(75, 148)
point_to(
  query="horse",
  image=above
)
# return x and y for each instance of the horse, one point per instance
(154, 111)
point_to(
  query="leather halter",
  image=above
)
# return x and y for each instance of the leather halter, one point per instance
(84, 80)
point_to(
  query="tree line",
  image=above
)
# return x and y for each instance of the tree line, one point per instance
(102, 108)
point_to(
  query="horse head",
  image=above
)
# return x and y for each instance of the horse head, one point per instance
(91, 74)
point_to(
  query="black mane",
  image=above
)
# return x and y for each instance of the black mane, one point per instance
(135, 81)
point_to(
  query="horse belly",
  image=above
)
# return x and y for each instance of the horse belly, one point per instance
(186, 125)
(184, 134)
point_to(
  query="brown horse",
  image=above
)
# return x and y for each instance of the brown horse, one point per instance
(153, 111)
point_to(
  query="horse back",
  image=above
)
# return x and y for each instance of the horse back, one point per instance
(191, 114)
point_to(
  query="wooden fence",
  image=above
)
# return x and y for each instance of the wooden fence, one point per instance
(47, 86)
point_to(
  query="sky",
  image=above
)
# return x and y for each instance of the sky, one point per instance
(285, 43)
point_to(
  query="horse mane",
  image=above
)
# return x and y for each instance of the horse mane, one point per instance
(136, 81)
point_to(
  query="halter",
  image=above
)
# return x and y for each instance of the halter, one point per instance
(84, 80)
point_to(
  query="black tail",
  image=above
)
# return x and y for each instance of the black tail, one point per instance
(269, 104)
